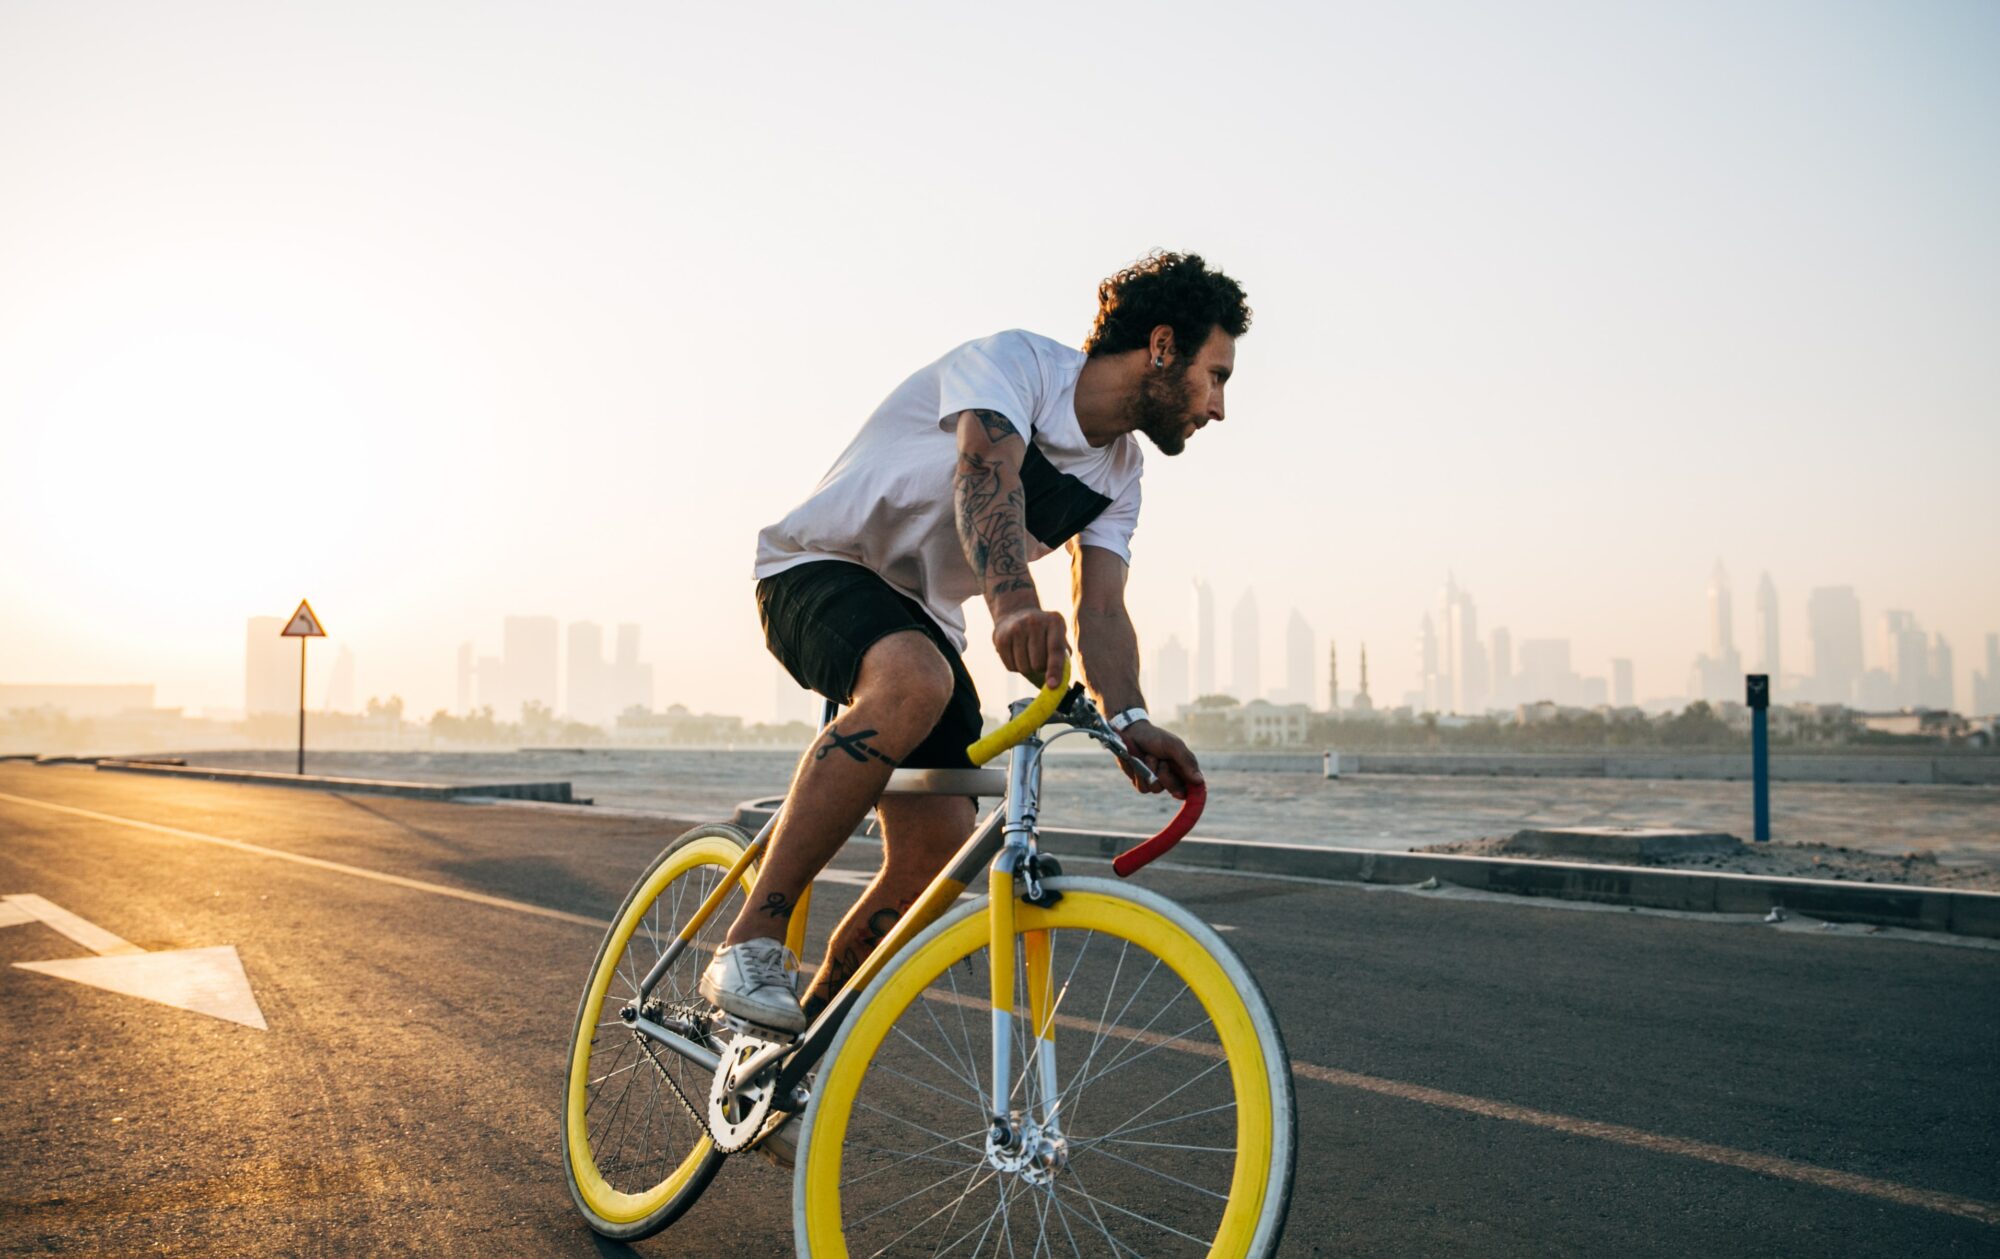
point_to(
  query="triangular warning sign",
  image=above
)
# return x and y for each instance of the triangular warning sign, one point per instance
(207, 981)
(303, 624)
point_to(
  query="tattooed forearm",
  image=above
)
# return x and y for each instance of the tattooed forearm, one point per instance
(852, 745)
(992, 523)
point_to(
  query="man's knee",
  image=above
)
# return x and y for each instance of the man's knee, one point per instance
(906, 675)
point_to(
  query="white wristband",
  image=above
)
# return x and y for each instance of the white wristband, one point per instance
(1130, 717)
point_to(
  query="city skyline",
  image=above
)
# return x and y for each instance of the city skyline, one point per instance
(1569, 312)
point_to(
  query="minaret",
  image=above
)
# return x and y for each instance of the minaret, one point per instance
(1332, 678)
(1362, 704)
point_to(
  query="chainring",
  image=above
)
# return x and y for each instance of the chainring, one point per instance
(737, 1115)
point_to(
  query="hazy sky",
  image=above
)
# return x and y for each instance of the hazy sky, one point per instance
(440, 312)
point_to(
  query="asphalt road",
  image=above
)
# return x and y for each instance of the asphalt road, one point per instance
(1474, 1077)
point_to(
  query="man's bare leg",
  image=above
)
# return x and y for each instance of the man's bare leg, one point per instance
(899, 694)
(919, 834)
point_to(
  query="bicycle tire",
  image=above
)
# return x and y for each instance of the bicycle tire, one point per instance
(632, 1197)
(907, 1065)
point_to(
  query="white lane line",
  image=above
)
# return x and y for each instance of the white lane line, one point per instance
(1618, 1134)
(13, 915)
(88, 934)
(1703, 1151)
(395, 880)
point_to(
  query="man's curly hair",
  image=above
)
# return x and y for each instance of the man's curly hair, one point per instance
(1177, 290)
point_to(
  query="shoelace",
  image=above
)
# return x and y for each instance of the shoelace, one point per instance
(765, 967)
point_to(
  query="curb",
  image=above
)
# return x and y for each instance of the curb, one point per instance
(547, 792)
(1883, 904)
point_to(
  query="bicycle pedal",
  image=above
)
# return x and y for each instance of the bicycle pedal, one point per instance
(758, 1031)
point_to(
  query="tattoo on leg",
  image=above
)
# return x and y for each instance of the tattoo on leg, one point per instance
(778, 905)
(852, 745)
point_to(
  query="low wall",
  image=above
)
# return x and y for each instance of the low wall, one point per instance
(1979, 771)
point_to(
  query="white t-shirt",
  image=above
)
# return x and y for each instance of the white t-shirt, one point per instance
(886, 503)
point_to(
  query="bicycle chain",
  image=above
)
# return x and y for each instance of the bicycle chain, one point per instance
(700, 1114)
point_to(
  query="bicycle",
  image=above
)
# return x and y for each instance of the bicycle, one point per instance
(1172, 1132)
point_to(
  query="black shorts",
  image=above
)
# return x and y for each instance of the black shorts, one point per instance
(821, 618)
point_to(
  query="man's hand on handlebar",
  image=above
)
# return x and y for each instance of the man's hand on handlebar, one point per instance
(1032, 643)
(1173, 765)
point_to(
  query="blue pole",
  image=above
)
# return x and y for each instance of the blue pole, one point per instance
(1760, 768)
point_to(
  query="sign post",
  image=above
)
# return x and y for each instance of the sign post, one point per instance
(1757, 694)
(302, 626)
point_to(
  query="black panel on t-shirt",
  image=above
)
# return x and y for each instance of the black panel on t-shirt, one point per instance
(1059, 505)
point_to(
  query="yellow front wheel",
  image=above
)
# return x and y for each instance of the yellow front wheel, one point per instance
(635, 1157)
(1153, 1101)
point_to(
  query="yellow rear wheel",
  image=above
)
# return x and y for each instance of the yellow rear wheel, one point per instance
(635, 1158)
(1173, 1094)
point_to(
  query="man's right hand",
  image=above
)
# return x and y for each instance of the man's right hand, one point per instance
(1032, 643)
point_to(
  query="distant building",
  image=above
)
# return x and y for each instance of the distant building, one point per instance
(528, 654)
(1768, 661)
(1718, 674)
(1204, 638)
(1986, 685)
(1167, 690)
(1545, 674)
(587, 697)
(1621, 683)
(630, 683)
(270, 668)
(1332, 677)
(1247, 677)
(1432, 695)
(1461, 656)
(1363, 702)
(1503, 669)
(1833, 623)
(1298, 660)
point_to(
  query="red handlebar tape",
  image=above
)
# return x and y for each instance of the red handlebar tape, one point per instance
(1133, 858)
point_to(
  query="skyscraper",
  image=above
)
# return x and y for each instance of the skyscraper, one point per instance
(1906, 653)
(528, 656)
(270, 668)
(1833, 621)
(630, 684)
(1941, 688)
(1247, 676)
(1298, 660)
(1433, 685)
(1986, 686)
(1204, 639)
(1718, 674)
(1621, 683)
(1461, 657)
(1167, 689)
(1767, 629)
(586, 698)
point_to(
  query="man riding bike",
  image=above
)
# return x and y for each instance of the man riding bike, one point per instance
(980, 463)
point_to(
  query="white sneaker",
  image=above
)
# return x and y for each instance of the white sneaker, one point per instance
(753, 981)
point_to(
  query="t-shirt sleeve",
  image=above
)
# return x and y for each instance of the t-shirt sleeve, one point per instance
(1113, 528)
(999, 373)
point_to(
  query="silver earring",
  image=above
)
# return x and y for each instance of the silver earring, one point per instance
(1158, 361)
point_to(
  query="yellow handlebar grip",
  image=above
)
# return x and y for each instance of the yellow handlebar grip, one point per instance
(1021, 727)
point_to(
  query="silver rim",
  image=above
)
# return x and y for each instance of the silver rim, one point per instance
(1142, 1155)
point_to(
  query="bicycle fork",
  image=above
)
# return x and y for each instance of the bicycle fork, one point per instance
(1032, 1145)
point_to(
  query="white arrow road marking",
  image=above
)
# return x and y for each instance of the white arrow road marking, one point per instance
(207, 981)
(88, 934)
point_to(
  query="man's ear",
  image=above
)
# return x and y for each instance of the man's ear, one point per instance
(1160, 346)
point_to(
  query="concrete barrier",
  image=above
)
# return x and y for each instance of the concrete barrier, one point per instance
(547, 792)
(1983, 771)
(1883, 904)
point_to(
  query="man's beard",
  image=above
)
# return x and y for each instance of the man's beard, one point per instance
(1160, 410)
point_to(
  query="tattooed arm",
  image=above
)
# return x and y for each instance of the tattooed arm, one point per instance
(1110, 650)
(992, 527)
